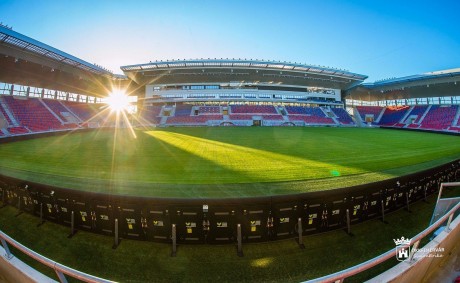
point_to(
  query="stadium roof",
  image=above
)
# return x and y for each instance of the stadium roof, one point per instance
(445, 74)
(199, 71)
(432, 84)
(26, 44)
(238, 63)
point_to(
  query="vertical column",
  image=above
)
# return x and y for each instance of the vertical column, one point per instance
(72, 225)
(174, 240)
(407, 201)
(300, 231)
(383, 210)
(116, 239)
(348, 222)
(239, 239)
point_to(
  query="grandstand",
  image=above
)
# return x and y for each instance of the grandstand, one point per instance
(46, 92)
(226, 92)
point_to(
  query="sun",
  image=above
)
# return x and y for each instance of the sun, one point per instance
(117, 101)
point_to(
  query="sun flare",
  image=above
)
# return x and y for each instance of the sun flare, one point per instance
(118, 101)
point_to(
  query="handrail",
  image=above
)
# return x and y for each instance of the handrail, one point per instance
(341, 275)
(60, 269)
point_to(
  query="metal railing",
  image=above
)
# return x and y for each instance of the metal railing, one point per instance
(415, 241)
(61, 270)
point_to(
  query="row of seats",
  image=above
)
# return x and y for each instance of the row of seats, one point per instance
(393, 115)
(342, 116)
(57, 107)
(17, 130)
(183, 110)
(184, 120)
(209, 110)
(439, 117)
(240, 117)
(5, 115)
(369, 110)
(418, 110)
(253, 109)
(37, 115)
(84, 111)
(152, 114)
(312, 115)
(32, 114)
(434, 117)
(312, 119)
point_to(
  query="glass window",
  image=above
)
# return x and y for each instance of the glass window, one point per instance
(19, 90)
(49, 94)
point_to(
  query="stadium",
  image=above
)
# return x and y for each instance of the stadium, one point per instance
(209, 154)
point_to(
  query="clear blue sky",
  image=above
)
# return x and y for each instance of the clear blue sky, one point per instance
(380, 39)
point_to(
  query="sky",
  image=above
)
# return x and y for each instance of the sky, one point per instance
(380, 39)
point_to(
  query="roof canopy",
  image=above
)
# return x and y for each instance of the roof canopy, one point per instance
(239, 63)
(27, 44)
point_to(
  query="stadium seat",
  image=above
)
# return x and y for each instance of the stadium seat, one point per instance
(240, 117)
(418, 110)
(439, 117)
(342, 116)
(369, 110)
(209, 110)
(393, 115)
(32, 114)
(309, 115)
(85, 111)
(192, 120)
(253, 109)
(18, 130)
(59, 109)
(6, 116)
(183, 110)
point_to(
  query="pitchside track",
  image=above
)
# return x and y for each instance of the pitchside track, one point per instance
(224, 162)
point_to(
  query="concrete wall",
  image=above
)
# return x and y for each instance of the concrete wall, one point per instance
(15, 271)
(422, 266)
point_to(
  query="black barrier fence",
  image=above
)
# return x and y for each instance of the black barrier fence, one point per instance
(215, 221)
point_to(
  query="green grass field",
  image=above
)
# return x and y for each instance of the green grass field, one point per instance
(224, 162)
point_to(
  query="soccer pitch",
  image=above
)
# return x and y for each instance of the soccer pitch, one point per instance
(223, 162)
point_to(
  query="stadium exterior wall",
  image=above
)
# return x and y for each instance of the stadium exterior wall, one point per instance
(214, 220)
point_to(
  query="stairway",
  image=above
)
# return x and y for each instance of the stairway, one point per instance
(8, 112)
(358, 120)
(380, 115)
(457, 116)
(51, 111)
(403, 120)
(163, 120)
(71, 112)
(424, 114)
(330, 114)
